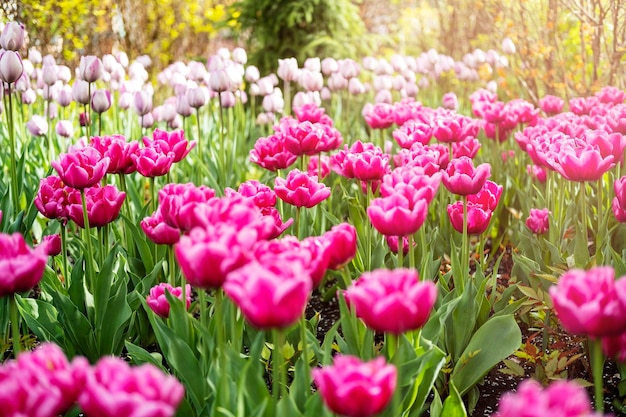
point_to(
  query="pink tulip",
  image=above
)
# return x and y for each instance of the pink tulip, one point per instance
(379, 115)
(174, 141)
(412, 182)
(153, 161)
(393, 243)
(41, 383)
(450, 101)
(277, 224)
(142, 102)
(396, 215)
(11, 66)
(101, 101)
(591, 303)
(119, 151)
(158, 231)
(177, 203)
(80, 92)
(411, 132)
(538, 221)
(270, 295)
(308, 138)
(488, 197)
(362, 161)
(580, 162)
(461, 178)
(22, 266)
(114, 389)
(37, 126)
(262, 195)
(310, 112)
(615, 347)
(353, 388)
(551, 105)
(467, 147)
(287, 69)
(561, 398)
(64, 128)
(271, 153)
(157, 301)
(51, 245)
(478, 217)
(609, 95)
(12, 37)
(341, 243)
(537, 172)
(313, 167)
(52, 198)
(206, 255)
(103, 205)
(90, 68)
(300, 190)
(81, 168)
(392, 301)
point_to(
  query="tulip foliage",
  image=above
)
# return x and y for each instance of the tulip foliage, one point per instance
(261, 246)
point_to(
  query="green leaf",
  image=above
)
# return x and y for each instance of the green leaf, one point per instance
(453, 405)
(42, 319)
(482, 353)
(139, 355)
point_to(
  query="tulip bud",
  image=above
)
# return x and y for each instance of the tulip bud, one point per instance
(49, 74)
(227, 99)
(508, 47)
(64, 128)
(64, 97)
(11, 66)
(288, 69)
(80, 92)
(29, 96)
(37, 126)
(240, 56)
(90, 68)
(252, 74)
(142, 103)
(12, 38)
(101, 101)
(196, 97)
(219, 81)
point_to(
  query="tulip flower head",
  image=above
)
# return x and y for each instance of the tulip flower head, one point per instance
(392, 301)
(591, 303)
(353, 388)
(157, 301)
(81, 168)
(538, 221)
(300, 190)
(461, 178)
(22, 266)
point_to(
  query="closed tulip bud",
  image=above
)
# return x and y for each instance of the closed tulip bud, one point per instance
(157, 301)
(90, 68)
(64, 128)
(182, 106)
(80, 92)
(239, 56)
(508, 47)
(142, 102)
(11, 67)
(49, 74)
(228, 99)
(349, 68)
(147, 121)
(288, 69)
(12, 37)
(34, 56)
(64, 97)
(274, 103)
(125, 101)
(220, 80)
(51, 245)
(329, 65)
(538, 221)
(29, 96)
(101, 101)
(196, 97)
(252, 74)
(37, 126)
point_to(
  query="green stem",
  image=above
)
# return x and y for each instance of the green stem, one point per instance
(170, 267)
(199, 145)
(99, 124)
(88, 113)
(15, 326)
(287, 98)
(89, 251)
(278, 381)
(411, 253)
(296, 222)
(305, 352)
(583, 203)
(66, 277)
(400, 251)
(597, 367)
(394, 346)
(545, 335)
(460, 282)
(14, 184)
(421, 233)
(219, 320)
(599, 234)
(222, 146)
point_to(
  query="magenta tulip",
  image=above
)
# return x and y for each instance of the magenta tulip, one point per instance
(158, 231)
(392, 301)
(157, 301)
(103, 205)
(81, 168)
(153, 161)
(177, 203)
(270, 296)
(114, 389)
(396, 215)
(119, 151)
(271, 153)
(460, 177)
(22, 266)
(341, 243)
(353, 388)
(591, 303)
(478, 217)
(52, 198)
(300, 190)
(538, 221)
(174, 141)
(560, 398)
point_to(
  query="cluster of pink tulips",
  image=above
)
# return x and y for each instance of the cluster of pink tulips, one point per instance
(244, 224)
